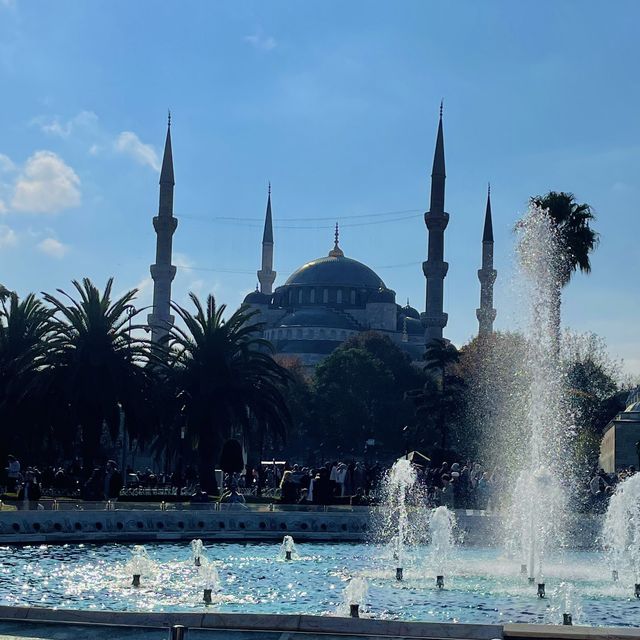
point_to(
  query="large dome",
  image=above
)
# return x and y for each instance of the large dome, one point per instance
(336, 270)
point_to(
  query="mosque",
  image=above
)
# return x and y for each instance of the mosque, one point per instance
(333, 297)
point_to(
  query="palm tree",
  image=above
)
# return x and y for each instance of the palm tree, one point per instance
(4, 292)
(24, 336)
(228, 379)
(99, 368)
(576, 237)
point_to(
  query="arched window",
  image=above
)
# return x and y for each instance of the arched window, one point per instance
(339, 296)
(300, 296)
(353, 296)
(312, 296)
(325, 296)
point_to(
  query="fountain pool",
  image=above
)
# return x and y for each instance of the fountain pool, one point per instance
(482, 585)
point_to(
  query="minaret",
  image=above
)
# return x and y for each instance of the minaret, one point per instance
(486, 314)
(435, 268)
(266, 275)
(163, 272)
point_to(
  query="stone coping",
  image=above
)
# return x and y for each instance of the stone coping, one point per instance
(312, 625)
(331, 625)
(552, 632)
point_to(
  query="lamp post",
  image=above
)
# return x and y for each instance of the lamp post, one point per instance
(183, 431)
(405, 434)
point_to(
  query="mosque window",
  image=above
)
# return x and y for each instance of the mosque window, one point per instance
(339, 296)
(300, 296)
(288, 333)
(312, 296)
(325, 296)
(298, 333)
(353, 296)
(291, 297)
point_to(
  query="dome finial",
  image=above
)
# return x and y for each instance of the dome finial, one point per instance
(336, 252)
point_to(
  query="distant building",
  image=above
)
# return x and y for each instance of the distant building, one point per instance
(331, 298)
(619, 448)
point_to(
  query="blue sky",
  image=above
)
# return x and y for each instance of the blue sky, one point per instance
(336, 103)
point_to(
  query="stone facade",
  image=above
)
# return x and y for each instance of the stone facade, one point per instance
(619, 447)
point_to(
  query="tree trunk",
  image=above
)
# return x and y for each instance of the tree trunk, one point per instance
(91, 434)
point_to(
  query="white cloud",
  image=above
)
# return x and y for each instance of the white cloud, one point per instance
(261, 42)
(8, 237)
(53, 248)
(128, 143)
(53, 126)
(46, 185)
(6, 164)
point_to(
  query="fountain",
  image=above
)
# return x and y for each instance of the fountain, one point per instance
(442, 522)
(288, 549)
(355, 596)
(208, 579)
(621, 530)
(140, 564)
(401, 526)
(197, 552)
(540, 443)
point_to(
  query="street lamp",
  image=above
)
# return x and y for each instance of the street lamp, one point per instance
(405, 433)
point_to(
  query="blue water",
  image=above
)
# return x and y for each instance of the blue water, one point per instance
(481, 585)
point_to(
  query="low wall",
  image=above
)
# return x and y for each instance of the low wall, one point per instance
(476, 528)
(89, 623)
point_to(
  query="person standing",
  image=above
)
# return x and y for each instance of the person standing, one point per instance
(30, 491)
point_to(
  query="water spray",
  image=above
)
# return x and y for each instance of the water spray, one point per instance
(614, 575)
(523, 570)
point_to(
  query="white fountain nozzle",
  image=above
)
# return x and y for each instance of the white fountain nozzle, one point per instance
(136, 580)
(567, 619)
(354, 610)
(206, 596)
(399, 573)
(287, 555)
(614, 575)
(636, 590)
(541, 590)
(523, 570)
(440, 582)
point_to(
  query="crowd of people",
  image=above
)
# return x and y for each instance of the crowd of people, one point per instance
(459, 485)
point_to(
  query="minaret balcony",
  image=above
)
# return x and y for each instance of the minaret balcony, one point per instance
(433, 269)
(436, 220)
(487, 276)
(435, 320)
(164, 224)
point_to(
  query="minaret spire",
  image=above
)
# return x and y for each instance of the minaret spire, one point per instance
(266, 275)
(435, 268)
(163, 272)
(336, 252)
(486, 314)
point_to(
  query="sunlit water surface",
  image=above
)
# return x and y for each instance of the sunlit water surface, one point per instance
(481, 585)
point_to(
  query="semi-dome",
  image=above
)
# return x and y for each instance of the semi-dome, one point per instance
(257, 297)
(409, 312)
